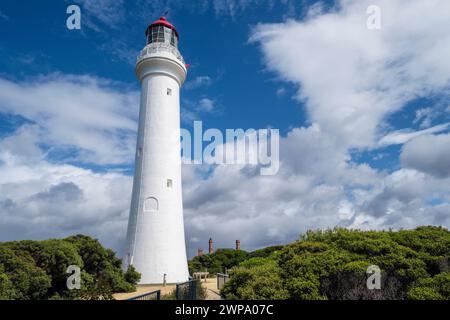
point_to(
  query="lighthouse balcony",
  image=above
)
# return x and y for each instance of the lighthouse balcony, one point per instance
(156, 49)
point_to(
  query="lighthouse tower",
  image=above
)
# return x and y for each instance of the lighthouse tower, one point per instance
(155, 237)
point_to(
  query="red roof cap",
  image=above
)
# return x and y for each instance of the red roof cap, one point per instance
(162, 21)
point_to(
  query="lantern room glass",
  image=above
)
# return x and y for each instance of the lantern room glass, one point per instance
(162, 34)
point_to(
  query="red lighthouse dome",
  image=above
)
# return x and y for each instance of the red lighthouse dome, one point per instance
(162, 21)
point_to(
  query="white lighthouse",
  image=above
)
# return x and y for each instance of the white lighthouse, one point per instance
(155, 238)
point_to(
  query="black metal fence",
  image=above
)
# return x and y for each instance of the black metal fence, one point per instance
(155, 295)
(189, 290)
(221, 279)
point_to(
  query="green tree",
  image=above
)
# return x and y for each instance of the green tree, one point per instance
(218, 261)
(38, 270)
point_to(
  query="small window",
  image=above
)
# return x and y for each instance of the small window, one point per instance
(169, 183)
(139, 152)
(169, 91)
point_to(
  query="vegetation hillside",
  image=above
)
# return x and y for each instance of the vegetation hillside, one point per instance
(31, 270)
(224, 259)
(333, 264)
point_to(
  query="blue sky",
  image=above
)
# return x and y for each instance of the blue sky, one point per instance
(214, 46)
(363, 116)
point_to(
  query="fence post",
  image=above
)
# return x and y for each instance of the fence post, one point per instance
(193, 293)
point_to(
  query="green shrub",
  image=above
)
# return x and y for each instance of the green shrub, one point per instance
(332, 264)
(33, 270)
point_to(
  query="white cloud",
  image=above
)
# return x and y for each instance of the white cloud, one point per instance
(109, 12)
(404, 135)
(404, 199)
(91, 119)
(309, 191)
(40, 200)
(425, 116)
(318, 185)
(206, 105)
(429, 154)
(192, 111)
(197, 82)
(350, 77)
(87, 115)
(281, 92)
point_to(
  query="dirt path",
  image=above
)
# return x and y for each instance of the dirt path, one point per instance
(145, 288)
(212, 292)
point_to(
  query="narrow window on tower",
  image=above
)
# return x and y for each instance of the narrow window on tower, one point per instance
(169, 91)
(169, 183)
(139, 153)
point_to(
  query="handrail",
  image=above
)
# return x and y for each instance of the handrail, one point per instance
(159, 47)
(148, 294)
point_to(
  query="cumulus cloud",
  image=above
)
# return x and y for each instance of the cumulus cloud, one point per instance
(406, 198)
(192, 110)
(429, 154)
(40, 199)
(89, 118)
(309, 191)
(352, 78)
(67, 119)
(318, 186)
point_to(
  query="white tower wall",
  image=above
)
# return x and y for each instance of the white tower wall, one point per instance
(155, 238)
